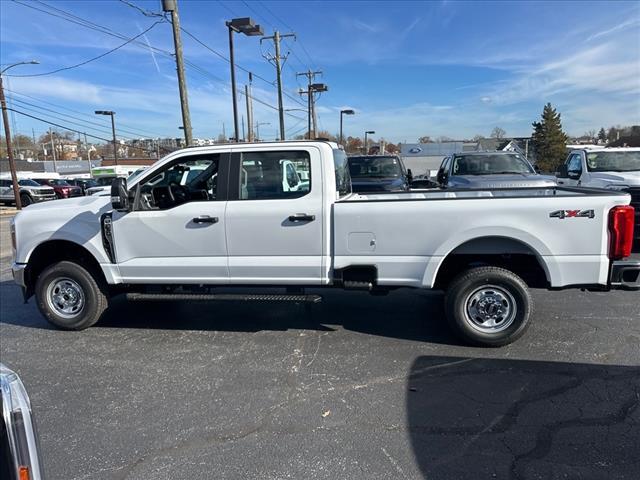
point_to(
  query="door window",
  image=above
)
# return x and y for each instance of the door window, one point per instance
(189, 179)
(275, 175)
(575, 163)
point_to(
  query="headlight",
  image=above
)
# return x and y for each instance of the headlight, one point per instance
(20, 438)
(617, 187)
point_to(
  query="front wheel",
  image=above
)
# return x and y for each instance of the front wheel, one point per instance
(70, 297)
(488, 306)
(25, 200)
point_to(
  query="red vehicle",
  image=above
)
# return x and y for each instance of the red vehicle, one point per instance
(61, 187)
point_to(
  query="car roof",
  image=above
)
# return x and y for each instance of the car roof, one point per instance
(604, 149)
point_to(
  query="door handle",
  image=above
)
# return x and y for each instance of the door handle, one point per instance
(301, 217)
(205, 219)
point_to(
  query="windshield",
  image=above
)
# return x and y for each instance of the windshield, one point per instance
(58, 182)
(374, 167)
(104, 181)
(490, 164)
(613, 161)
(28, 183)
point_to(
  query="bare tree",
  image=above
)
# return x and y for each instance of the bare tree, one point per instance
(498, 133)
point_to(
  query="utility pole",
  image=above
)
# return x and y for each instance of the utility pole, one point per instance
(7, 134)
(243, 134)
(310, 78)
(276, 37)
(53, 151)
(172, 6)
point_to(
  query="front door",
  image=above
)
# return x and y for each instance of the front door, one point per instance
(274, 217)
(176, 231)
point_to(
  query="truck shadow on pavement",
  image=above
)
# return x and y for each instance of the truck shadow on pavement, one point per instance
(404, 314)
(472, 418)
(409, 315)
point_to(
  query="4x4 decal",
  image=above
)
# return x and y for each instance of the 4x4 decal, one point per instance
(562, 214)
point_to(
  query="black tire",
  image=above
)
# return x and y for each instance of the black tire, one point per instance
(68, 276)
(25, 199)
(488, 306)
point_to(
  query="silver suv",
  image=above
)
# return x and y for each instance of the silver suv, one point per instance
(30, 192)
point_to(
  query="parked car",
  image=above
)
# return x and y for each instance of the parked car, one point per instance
(165, 235)
(378, 173)
(610, 168)
(490, 170)
(83, 183)
(19, 444)
(61, 187)
(30, 192)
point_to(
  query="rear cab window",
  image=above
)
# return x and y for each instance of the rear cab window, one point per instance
(273, 175)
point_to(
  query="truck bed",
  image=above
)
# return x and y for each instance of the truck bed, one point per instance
(438, 194)
(407, 235)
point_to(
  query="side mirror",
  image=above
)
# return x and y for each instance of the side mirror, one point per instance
(574, 175)
(562, 172)
(409, 175)
(536, 168)
(441, 177)
(119, 194)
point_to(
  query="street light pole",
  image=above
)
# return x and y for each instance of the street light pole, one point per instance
(248, 27)
(7, 135)
(369, 132)
(113, 131)
(344, 112)
(258, 129)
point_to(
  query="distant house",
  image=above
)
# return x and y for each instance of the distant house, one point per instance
(627, 141)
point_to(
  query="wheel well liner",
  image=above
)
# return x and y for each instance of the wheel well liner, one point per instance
(54, 251)
(508, 253)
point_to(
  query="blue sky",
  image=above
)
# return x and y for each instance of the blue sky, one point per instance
(407, 68)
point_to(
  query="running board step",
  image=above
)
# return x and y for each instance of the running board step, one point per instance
(356, 285)
(218, 297)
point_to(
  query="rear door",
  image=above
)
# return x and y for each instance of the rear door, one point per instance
(275, 220)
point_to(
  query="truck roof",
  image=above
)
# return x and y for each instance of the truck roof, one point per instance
(288, 143)
(612, 149)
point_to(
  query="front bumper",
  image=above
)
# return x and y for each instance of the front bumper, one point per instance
(18, 270)
(625, 275)
(43, 198)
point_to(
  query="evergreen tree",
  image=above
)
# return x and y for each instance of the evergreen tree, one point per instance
(612, 135)
(602, 135)
(549, 141)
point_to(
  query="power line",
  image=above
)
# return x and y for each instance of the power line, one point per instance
(146, 13)
(59, 126)
(91, 59)
(291, 97)
(263, 5)
(136, 131)
(101, 126)
(275, 28)
(67, 128)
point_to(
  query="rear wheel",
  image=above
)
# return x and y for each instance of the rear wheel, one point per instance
(70, 297)
(25, 199)
(488, 306)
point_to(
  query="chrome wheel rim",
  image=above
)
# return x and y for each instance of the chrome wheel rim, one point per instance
(490, 309)
(65, 297)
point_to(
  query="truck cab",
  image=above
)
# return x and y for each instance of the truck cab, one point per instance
(616, 169)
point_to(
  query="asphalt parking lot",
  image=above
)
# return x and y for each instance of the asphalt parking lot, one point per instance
(359, 387)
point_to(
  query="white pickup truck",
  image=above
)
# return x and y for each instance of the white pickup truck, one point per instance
(207, 217)
(610, 168)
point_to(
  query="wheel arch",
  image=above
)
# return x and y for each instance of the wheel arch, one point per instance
(513, 254)
(53, 251)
